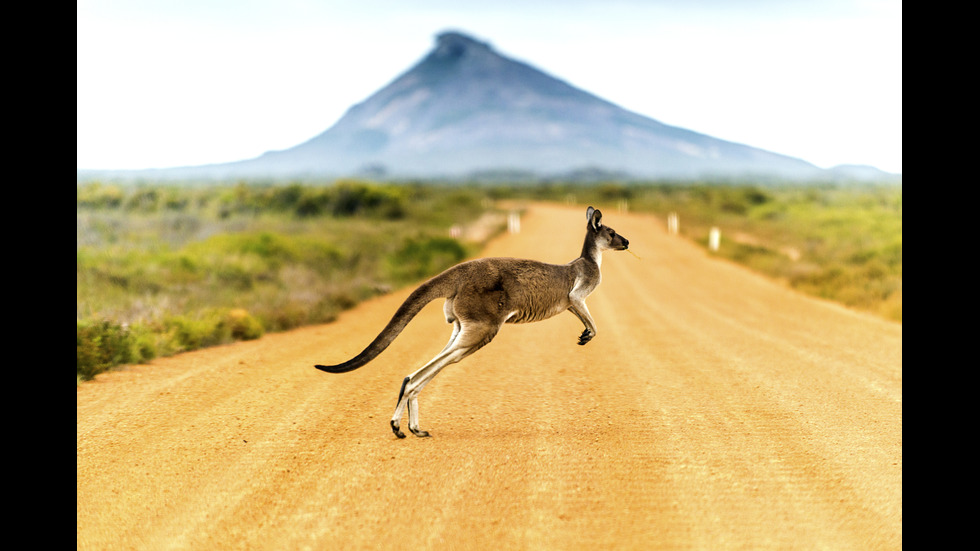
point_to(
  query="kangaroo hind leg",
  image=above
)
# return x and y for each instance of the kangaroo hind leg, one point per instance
(467, 339)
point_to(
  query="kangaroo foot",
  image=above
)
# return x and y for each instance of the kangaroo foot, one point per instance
(419, 432)
(397, 430)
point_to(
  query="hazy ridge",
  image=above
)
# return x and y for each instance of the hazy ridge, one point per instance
(466, 111)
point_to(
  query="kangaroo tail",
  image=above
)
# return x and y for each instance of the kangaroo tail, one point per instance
(437, 287)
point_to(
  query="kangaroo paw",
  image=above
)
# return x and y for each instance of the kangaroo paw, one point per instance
(397, 430)
(418, 432)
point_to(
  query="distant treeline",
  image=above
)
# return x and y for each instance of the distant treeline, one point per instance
(343, 199)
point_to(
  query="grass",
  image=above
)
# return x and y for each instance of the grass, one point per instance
(838, 242)
(841, 244)
(164, 269)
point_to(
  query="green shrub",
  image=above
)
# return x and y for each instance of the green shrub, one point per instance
(95, 195)
(176, 268)
(145, 344)
(101, 345)
(208, 328)
(144, 199)
(418, 258)
(242, 325)
(349, 198)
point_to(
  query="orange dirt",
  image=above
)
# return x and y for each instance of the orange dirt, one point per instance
(713, 410)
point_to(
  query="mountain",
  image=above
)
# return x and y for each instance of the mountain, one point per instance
(465, 109)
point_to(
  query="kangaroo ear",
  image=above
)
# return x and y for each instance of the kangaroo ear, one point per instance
(594, 217)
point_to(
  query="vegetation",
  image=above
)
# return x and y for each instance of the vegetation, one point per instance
(163, 269)
(839, 242)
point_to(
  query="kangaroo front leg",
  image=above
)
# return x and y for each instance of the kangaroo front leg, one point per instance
(579, 309)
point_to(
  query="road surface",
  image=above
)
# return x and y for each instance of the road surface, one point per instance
(714, 410)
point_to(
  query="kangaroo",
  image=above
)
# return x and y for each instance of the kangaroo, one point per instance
(482, 295)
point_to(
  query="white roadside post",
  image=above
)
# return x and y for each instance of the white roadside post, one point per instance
(514, 223)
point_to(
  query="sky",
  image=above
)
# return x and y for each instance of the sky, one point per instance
(165, 83)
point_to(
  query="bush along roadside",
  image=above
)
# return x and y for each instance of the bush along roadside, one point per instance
(283, 297)
(162, 270)
(102, 344)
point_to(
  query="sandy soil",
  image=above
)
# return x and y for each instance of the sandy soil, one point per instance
(714, 410)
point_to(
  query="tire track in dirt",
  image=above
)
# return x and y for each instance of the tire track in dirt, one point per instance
(714, 410)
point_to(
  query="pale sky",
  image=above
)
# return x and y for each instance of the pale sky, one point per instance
(163, 83)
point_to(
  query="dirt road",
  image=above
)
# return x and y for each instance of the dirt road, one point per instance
(714, 410)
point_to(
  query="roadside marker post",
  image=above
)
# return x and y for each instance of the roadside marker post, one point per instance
(514, 223)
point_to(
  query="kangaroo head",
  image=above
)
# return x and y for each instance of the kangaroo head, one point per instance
(605, 237)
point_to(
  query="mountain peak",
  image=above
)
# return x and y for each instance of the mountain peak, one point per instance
(455, 49)
(465, 108)
(455, 44)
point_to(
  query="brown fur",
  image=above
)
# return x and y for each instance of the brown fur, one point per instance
(482, 295)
